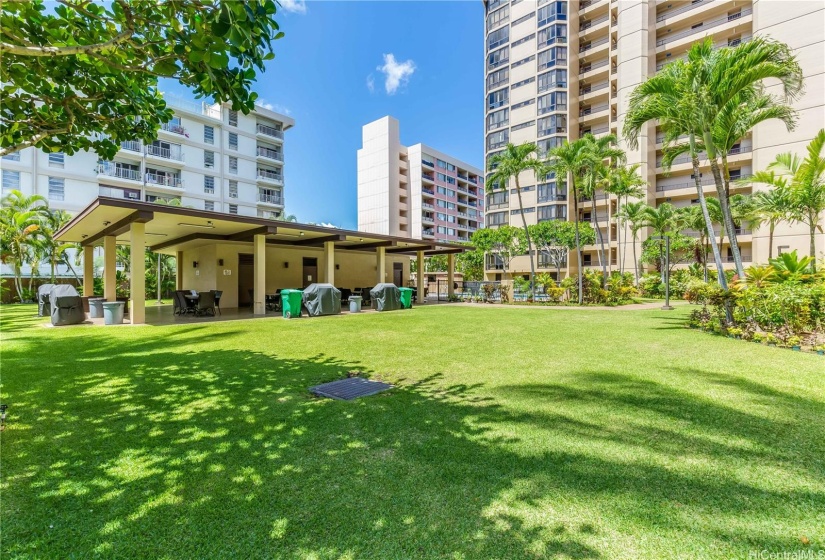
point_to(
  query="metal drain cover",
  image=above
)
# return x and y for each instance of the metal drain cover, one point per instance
(350, 388)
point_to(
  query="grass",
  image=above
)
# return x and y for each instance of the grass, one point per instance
(513, 433)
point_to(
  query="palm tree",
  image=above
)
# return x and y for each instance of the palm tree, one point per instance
(624, 183)
(807, 186)
(772, 206)
(21, 227)
(568, 162)
(632, 213)
(509, 164)
(693, 218)
(54, 252)
(284, 217)
(663, 220)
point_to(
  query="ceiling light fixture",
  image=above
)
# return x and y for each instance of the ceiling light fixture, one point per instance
(207, 226)
(157, 234)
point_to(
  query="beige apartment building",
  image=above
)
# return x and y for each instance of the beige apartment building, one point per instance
(557, 70)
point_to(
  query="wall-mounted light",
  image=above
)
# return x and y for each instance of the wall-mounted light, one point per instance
(207, 226)
(106, 223)
(337, 267)
(194, 264)
(84, 236)
(286, 264)
(301, 233)
(220, 262)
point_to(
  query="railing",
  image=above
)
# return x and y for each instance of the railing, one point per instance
(595, 131)
(270, 131)
(426, 218)
(164, 180)
(594, 109)
(426, 205)
(714, 23)
(591, 88)
(270, 199)
(173, 128)
(692, 184)
(119, 193)
(716, 232)
(717, 45)
(166, 153)
(593, 44)
(460, 176)
(473, 180)
(745, 258)
(428, 177)
(271, 154)
(428, 191)
(428, 231)
(559, 197)
(593, 66)
(199, 108)
(498, 205)
(462, 189)
(132, 145)
(676, 11)
(702, 156)
(588, 24)
(271, 175)
(111, 170)
(428, 163)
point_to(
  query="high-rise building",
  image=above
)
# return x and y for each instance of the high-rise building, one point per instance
(415, 191)
(557, 70)
(208, 157)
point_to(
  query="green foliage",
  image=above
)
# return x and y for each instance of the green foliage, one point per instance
(505, 242)
(682, 249)
(789, 267)
(80, 70)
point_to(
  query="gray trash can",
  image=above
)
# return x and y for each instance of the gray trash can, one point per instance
(96, 307)
(113, 312)
(355, 304)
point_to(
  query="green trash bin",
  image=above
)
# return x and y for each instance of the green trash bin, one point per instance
(291, 302)
(406, 297)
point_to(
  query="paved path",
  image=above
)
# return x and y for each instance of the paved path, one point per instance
(630, 307)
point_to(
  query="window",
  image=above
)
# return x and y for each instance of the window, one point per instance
(441, 203)
(497, 58)
(551, 57)
(522, 19)
(209, 205)
(499, 118)
(498, 17)
(555, 34)
(523, 40)
(550, 192)
(56, 159)
(548, 144)
(233, 140)
(498, 38)
(451, 219)
(516, 212)
(523, 104)
(451, 206)
(441, 164)
(12, 157)
(233, 165)
(497, 78)
(233, 189)
(551, 12)
(501, 197)
(208, 135)
(11, 181)
(554, 124)
(451, 167)
(552, 212)
(441, 216)
(208, 159)
(497, 139)
(209, 184)
(441, 177)
(529, 80)
(233, 118)
(527, 124)
(233, 208)
(556, 101)
(497, 218)
(552, 79)
(523, 61)
(56, 188)
(497, 99)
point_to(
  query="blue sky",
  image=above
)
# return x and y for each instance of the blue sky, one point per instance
(321, 75)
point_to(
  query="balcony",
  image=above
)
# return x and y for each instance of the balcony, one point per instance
(198, 108)
(706, 182)
(427, 205)
(594, 109)
(428, 163)
(129, 194)
(271, 199)
(428, 177)
(132, 145)
(174, 154)
(167, 180)
(739, 231)
(274, 155)
(585, 68)
(703, 27)
(593, 44)
(267, 175)
(473, 180)
(111, 170)
(430, 232)
(270, 131)
(676, 11)
(428, 219)
(174, 128)
(702, 156)
(584, 90)
(428, 191)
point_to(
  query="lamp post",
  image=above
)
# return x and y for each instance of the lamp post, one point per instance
(666, 306)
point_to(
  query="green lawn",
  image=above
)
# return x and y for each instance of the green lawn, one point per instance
(513, 433)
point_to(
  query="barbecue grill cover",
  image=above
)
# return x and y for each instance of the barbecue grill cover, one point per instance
(43, 308)
(386, 297)
(66, 305)
(322, 299)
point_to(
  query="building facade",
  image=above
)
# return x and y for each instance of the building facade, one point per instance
(415, 191)
(558, 70)
(208, 157)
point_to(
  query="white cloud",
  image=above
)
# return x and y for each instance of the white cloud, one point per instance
(397, 73)
(273, 107)
(371, 83)
(294, 6)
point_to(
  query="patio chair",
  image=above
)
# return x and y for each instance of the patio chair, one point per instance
(218, 294)
(178, 307)
(186, 305)
(206, 304)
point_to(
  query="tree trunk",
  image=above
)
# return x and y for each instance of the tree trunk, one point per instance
(771, 227)
(619, 234)
(717, 257)
(705, 258)
(572, 182)
(527, 235)
(812, 249)
(602, 255)
(662, 260)
(18, 281)
(721, 191)
(635, 260)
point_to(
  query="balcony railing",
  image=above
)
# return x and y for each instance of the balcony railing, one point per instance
(132, 145)
(473, 180)
(553, 197)
(166, 153)
(428, 191)
(271, 175)
(702, 156)
(594, 109)
(270, 199)
(594, 131)
(164, 180)
(199, 108)
(428, 231)
(593, 66)
(426, 218)
(427, 163)
(271, 154)
(588, 24)
(711, 24)
(173, 128)
(745, 258)
(717, 45)
(270, 131)
(716, 232)
(676, 11)
(427, 205)
(428, 176)
(593, 44)
(591, 88)
(111, 170)
(692, 184)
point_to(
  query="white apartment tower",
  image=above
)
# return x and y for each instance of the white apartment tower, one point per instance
(557, 69)
(415, 191)
(208, 157)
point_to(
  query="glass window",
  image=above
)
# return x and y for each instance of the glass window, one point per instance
(554, 34)
(208, 159)
(551, 57)
(451, 167)
(441, 177)
(551, 12)
(233, 165)
(497, 139)
(233, 118)
(441, 164)
(56, 188)
(552, 79)
(208, 184)
(11, 181)
(233, 208)
(441, 190)
(499, 118)
(498, 17)
(498, 38)
(497, 99)
(499, 57)
(208, 135)
(554, 124)
(552, 212)
(556, 101)
(497, 78)
(233, 189)
(12, 157)
(441, 216)
(441, 203)
(233, 140)
(501, 197)
(209, 205)
(56, 159)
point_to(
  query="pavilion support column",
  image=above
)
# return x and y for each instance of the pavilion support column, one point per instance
(88, 270)
(380, 264)
(329, 262)
(137, 283)
(109, 268)
(450, 276)
(179, 271)
(419, 278)
(259, 300)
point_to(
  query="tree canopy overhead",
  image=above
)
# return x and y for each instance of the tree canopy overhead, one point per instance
(87, 69)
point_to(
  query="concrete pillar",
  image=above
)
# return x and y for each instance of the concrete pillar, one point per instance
(419, 278)
(380, 264)
(109, 268)
(137, 278)
(450, 275)
(259, 301)
(88, 270)
(328, 266)
(179, 271)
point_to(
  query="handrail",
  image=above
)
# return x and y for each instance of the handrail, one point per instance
(713, 23)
